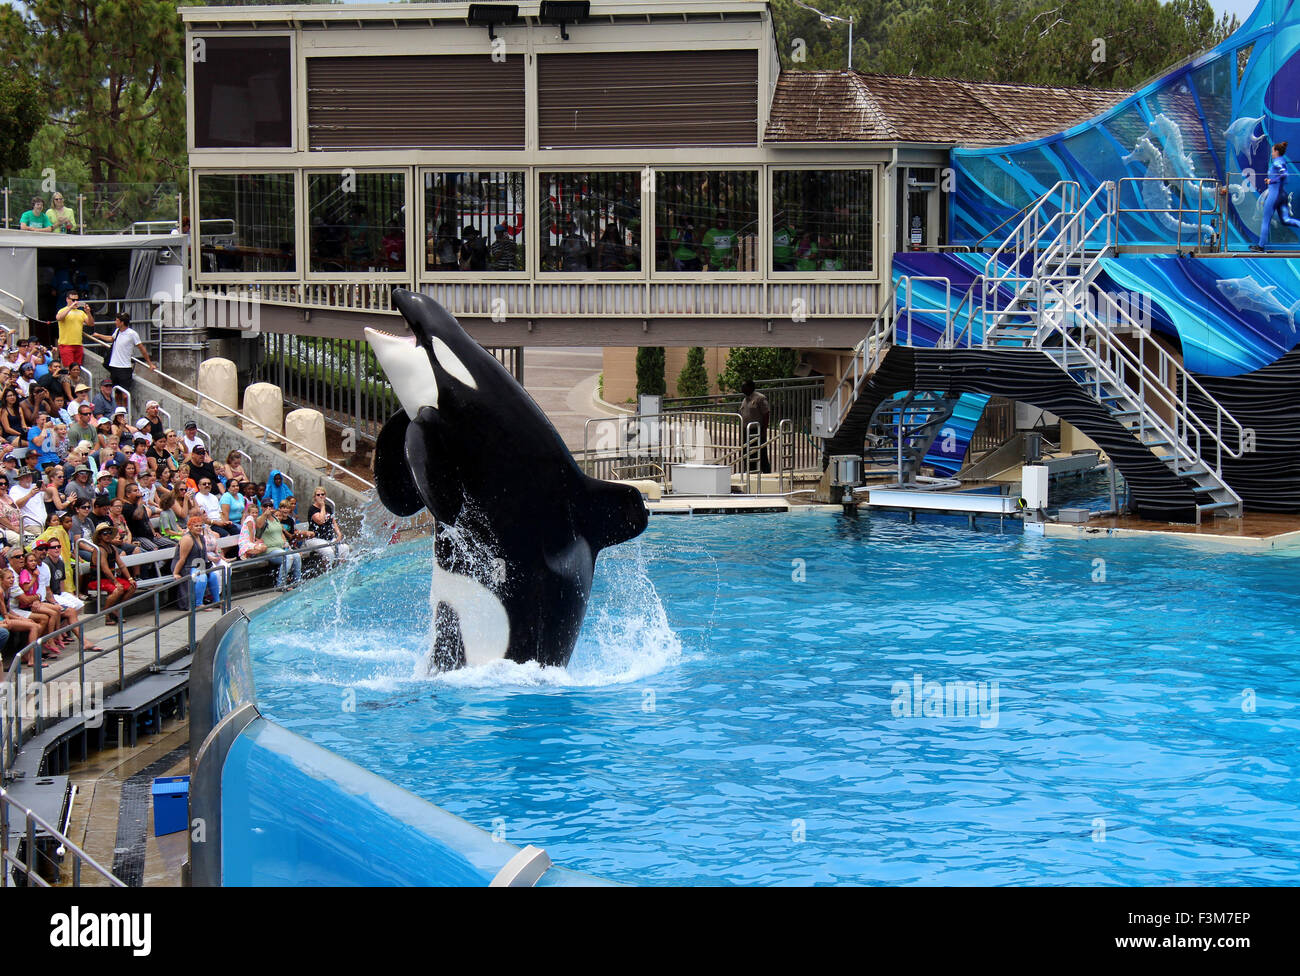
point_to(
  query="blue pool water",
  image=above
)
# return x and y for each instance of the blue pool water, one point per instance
(734, 710)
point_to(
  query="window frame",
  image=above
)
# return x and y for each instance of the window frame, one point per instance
(294, 117)
(244, 277)
(760, 273)
(871, 274)
(544, 277)
(427, 277)
(304, 221)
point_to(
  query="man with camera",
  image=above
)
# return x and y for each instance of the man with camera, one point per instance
(73, 319)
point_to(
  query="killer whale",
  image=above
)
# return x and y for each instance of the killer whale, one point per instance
(519, 525)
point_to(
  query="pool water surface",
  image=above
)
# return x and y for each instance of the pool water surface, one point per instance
(770, 699)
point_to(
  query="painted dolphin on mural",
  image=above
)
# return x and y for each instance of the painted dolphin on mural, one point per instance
(1247, 295)
(519, 525)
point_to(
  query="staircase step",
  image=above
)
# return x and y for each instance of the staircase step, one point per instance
(1213, 506)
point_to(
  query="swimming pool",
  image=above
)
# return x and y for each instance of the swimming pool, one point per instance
(739, 707)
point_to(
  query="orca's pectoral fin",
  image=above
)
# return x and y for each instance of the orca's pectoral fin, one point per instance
(393, 480)
(435, 469)
(611, 513)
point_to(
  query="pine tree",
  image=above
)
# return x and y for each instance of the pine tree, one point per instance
(693, 380)
(650, 371)
(21, 116)
(113, 78)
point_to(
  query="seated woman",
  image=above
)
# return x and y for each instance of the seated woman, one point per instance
(18, 623)
(113, 578)
(329, 538)
(233, 503)
(12, 427)
(280, 546)
(193, 559)
(29, 581)
(26, 604)
(232, 469)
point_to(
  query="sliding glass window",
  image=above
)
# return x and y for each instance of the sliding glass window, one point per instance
(356, 221)
(590, 221)
(246, 223)
(706, 220)
(474, 221)
(823, 220)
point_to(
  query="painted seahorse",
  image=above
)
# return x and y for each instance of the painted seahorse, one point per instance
(1158, 198)
(1176, 163)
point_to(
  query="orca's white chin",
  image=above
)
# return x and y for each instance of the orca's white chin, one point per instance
(408, 369)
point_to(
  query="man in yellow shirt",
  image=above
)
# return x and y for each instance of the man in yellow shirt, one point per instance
(73, 319)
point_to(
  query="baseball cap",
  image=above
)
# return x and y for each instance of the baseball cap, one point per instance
(106, 381)
(104, 474)
(500, 227)
(120, 412)
(191, 425)
(151, 403)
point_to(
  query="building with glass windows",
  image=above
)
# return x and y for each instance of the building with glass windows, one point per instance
(641, 175)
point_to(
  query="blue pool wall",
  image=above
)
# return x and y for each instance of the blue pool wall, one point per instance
(292, 813)
(1215, 116)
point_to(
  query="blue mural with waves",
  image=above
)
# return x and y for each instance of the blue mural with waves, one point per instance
(1213, 118)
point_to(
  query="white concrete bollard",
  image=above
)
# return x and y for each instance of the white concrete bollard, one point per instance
(264, 403)
(218, 384)
(306, 427)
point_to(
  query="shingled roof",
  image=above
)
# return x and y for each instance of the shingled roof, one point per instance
(849, 106)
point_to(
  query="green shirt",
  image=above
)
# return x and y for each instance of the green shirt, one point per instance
(63, 221)
(682, 250)
(721, 245)
(808, 262)
(273, 532)
(29, 219)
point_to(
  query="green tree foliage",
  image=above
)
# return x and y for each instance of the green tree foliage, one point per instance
(805, 42)
(757, 363)
(1099, 43)
(112, 75)
(693, 380)
(21, 115)
(650, 371)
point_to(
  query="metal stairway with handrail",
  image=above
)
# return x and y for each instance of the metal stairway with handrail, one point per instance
(1038, 292)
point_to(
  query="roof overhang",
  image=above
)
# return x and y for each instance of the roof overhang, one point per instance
(95, 242)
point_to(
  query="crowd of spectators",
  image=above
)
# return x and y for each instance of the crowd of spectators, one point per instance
(87, 485)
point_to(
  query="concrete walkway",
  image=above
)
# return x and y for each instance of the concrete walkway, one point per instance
(563, 381)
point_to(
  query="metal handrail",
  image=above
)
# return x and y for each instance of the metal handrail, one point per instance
(12, 731)
(244, 418)
(1201, 211)
(1120, 361)
(29, 870)
(16, 298)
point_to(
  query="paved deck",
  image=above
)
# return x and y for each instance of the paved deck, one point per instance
(1253, 531)
(563, 381)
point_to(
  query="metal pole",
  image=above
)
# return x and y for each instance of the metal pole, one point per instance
(850, 42)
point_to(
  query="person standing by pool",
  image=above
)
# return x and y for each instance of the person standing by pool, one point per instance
(754, 409)
(122, 345)
(1276, 199)
(73, 319)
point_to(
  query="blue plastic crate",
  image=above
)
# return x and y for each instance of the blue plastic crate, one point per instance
(171, 801)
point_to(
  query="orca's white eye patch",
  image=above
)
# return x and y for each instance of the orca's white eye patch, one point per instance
(449, 361)
(408, 370)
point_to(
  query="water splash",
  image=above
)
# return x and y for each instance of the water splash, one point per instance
(625, 637)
